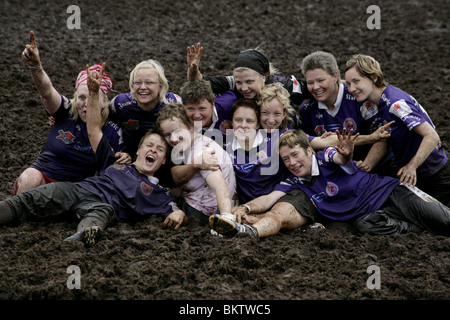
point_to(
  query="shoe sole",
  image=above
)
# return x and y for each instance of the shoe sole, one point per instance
(91, 236)
(222, 226)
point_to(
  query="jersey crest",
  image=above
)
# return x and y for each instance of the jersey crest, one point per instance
(66, 136)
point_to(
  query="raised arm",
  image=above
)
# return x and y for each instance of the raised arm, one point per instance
(93, 111)
(51, 99)
(345, 148)
(193, 61)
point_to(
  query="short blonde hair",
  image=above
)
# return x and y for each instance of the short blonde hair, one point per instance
(276, 90)
(321, 60)
(163, 82)
(367, 67)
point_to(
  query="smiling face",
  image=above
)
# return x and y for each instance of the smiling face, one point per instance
(322, 86)
(177, 134)
(297, 160)
(146, 88)
(245, 125)
(151, 154)
(249, 82)
(362, 88)
(272, 114)
(202, 111)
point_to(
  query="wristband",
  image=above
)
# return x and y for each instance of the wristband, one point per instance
(39, 67)
(247, 207)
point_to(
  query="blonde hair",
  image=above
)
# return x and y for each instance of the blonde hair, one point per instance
(367, 67)
(321, 60)
(276, 90)
(169, 112)
(104, 109)
(163, 82)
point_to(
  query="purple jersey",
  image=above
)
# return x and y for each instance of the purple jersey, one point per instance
(222, 117)
(341, 192)
(407, 113)
(259, 170)
(132, 194)
(67, 154)
(317, 119)
(133, 120)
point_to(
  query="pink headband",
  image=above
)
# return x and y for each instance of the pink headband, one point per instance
(106, 84)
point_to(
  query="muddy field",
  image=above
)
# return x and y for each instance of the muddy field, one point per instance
(146, 262)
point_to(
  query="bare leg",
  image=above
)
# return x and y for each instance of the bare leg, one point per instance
(29, 179)
(282, 216)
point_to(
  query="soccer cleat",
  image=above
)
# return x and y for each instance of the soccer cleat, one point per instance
(230, 228)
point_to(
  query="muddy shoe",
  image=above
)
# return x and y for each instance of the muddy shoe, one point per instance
(230, 228)
(90, 236)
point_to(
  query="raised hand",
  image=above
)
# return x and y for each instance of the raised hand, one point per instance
(30, 54)
(346, 143)
(94, 78)
(193, 61)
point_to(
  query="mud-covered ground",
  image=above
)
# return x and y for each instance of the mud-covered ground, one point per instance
(146, 262)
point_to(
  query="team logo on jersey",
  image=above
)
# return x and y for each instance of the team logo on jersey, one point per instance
(131, 125)
(319, 129)
(224, 125)
(246, 168)
(349, 124)
(146, 189)
(401, 109)
(66, 136)
(368, 110)
(331, 189)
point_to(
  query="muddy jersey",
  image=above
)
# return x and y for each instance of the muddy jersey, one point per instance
(341, 192)
(67, 154)
(407, 113)
(297, 89)
(132, 194)
(133, 120)
(259, 170)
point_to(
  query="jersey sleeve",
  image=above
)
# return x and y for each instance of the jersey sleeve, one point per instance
(220, 83)
(105, 155)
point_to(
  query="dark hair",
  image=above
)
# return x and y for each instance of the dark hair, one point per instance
(246, 103)
(196, 91)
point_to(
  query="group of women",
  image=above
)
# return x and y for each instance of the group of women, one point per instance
(234, 157)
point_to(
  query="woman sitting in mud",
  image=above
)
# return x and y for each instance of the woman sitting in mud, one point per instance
(67, 154)
(207, 192)
(415, 143)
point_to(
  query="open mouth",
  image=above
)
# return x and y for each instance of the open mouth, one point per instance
(150, 159)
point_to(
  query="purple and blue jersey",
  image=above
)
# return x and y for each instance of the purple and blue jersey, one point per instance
(407, 113)
(133, 196)
(341, 192)
(67, 154)
(259, 170)
(133, 120)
